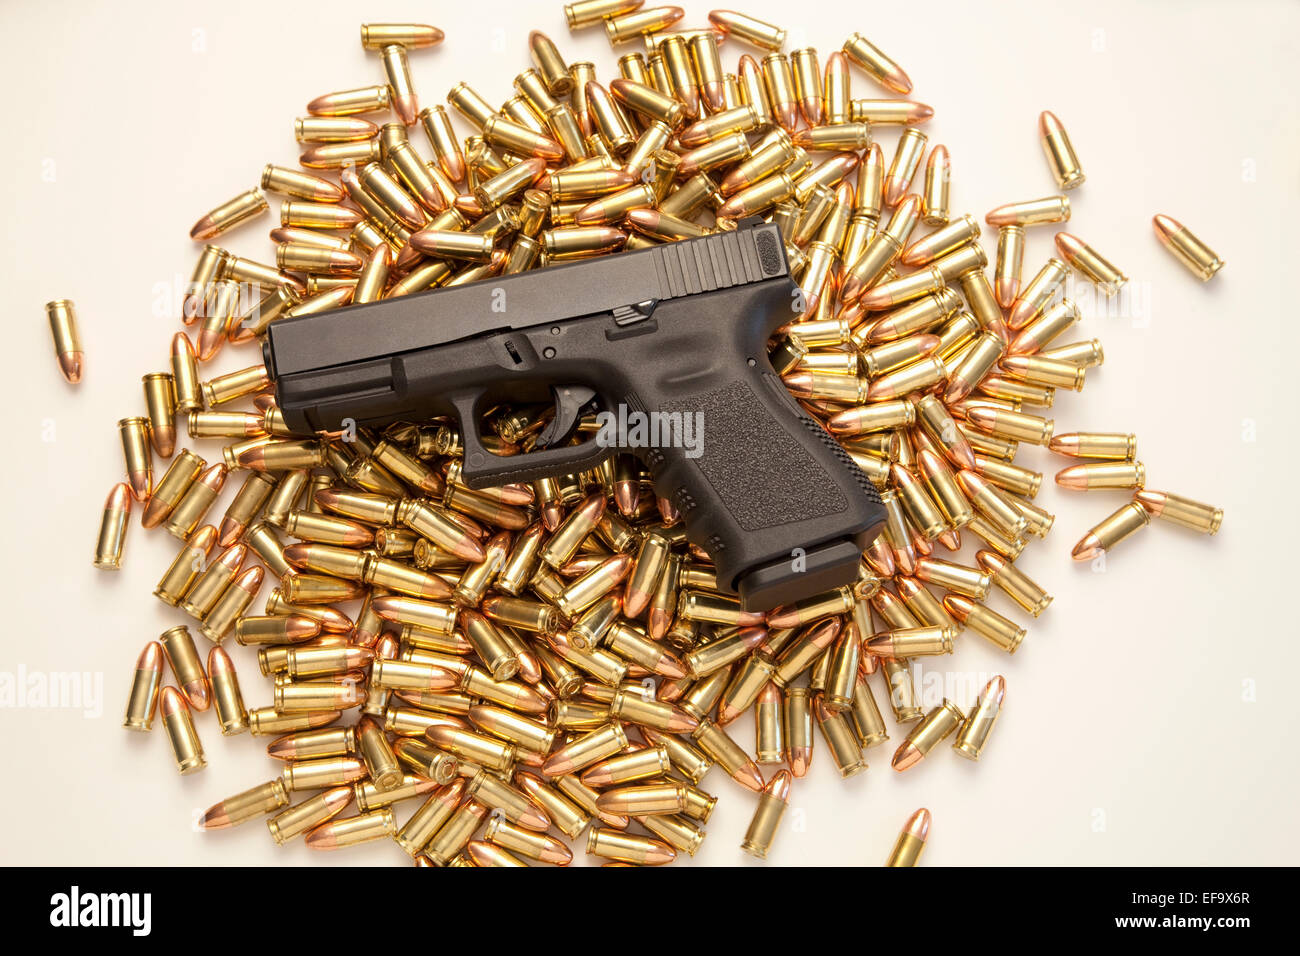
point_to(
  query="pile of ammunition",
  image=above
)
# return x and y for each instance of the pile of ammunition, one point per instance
(536, 659)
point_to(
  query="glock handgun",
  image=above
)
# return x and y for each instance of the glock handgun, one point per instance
(680, 329)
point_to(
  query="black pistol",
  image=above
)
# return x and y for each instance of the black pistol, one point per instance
(670, 339)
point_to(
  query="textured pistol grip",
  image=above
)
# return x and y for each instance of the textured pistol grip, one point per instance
(780, 507)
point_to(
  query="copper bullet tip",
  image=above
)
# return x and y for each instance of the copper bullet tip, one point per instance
(800, 760)
(880, 646)
(556, 853)
(671, 667)
(298, 628)
(996, 689)
(299, 555)
(1087, 549)
(139, 484)
(733, 208)
(440, 735)
(592, 214)
(713, 96)
(800, 383)
(204, 539)
(210, 343)
(905, 756)
(119, 498)
(469, 206)
(407, 108)
(895, 189)
(150, 658)
(1001, 215)
(754, 634)
(811, 107)
(645, 217)
(880, 558)
(959, 606)
(552, 515)
(1152, 501)
(1006, 290)
(659, 623)
(70, 366)
(961, 453)
(216, 817)
(197, 694)
(337, 798)
(219, 663)
(282, 748)
(1022, 313)
(1165, 226)
(205, 228)
(358, 657)
(233, 558)
(533, 818)
(164, 440)
(982, 417)
(918, 824)
(228, 535)
(253, 459)
(1075, 477)
(784, 617)
(626, 496)
(749, 776)
(727, 713)
(779, 785)
(1064, 444)
(170, 702)
(971, 482)
(322, 838)
(1069, 246)
(901, 83)
(557, 765)
(787, 115)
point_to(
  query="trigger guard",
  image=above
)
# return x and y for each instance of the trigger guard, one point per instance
(484, 469)
(466, 404)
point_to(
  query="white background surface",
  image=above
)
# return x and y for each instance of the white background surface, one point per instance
(1150, 714)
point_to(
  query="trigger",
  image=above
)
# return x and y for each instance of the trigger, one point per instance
(569, 403)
